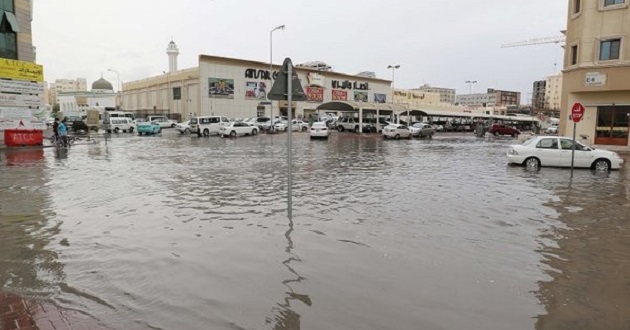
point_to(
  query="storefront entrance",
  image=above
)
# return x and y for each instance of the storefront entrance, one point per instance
(612, 125)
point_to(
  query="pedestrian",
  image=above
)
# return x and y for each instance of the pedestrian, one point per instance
(63, 133)
(56, 130)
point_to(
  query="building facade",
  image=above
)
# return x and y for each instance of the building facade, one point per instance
(553, 95)
(65, 86)
(476, 100)
(238, 88)
(596, 70)
(447, 95)
(416, 99)
(538, 96)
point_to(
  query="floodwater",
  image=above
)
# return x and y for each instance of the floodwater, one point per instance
(177, 232)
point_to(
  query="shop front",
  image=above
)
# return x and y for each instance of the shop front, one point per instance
(613, 125)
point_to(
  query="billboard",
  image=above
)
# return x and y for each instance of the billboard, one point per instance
(20, 70)
(380, 98)
(221, 88)
(315, 94)
(339, 95)
(361, 96)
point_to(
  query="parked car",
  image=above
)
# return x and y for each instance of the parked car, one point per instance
(556, 151)
(553, 129)
(438, 128)
(207, 125)
(501, 129)
(76, 124)
(280, 126)
(183, 127)
(163, 121)
(422, 130)
(234, 129)
(396, 131)
(117, 124)
(148, 127)
(319, 130)
(351, 124)
(299, 126)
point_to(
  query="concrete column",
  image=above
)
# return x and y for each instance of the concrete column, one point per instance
(360, 120)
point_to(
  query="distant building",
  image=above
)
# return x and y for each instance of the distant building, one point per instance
(596, 71)
(77, 102)
(538, 96)
(493, 98)
(553, 95)
(447, 95)
(65, 85)
(367, 74)
(317, 65)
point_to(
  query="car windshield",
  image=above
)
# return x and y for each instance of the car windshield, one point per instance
(418, 125)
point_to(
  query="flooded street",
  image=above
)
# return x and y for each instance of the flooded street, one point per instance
(177, 232)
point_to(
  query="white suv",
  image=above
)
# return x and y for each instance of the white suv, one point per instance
(352, 124)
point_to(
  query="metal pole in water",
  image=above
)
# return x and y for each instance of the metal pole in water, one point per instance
(573, 149)
(289, 143)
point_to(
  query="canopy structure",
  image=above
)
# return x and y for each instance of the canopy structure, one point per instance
(356, 106)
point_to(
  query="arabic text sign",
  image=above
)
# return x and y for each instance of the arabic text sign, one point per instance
(21, 70)
(23, 87)
(17, 100)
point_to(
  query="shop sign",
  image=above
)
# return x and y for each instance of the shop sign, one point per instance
(18, 100)
(316, 79)
(595, 79)
(347, 84)
(21, 70)
(315, 94)
(259, 74)
(22, 87)
(338, 95)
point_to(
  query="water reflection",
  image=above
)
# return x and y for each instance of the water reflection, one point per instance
(285, 317)
(589, 257)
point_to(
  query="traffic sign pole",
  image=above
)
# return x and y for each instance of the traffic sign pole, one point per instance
(573, 149)
(289, 143)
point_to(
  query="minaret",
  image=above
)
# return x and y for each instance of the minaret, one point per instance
(172, 52)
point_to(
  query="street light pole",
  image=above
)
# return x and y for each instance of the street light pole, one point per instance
(280, 27)
(470, 84)
(394, 67)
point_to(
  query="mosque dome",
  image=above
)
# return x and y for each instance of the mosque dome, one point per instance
(102, 84)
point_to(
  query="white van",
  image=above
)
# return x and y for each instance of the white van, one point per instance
(117, 124)
(207, 125)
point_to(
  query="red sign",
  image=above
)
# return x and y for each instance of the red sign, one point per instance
(577, 112)
(315, 94)
(338, 95)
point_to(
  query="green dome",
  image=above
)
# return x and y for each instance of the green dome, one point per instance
(102, 84)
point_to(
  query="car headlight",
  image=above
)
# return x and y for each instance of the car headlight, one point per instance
(512, 152)
(616, 155)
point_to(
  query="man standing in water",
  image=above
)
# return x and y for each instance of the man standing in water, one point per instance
(63, 133)
(56, 131)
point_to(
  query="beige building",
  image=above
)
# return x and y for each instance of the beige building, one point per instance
(597, 70)
(553, 92)
(65, 86)
(415, 99)
(237, 88)
(447, 95)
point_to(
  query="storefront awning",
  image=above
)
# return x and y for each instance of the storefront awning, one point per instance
(355, 106)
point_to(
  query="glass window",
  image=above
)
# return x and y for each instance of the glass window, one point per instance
(613, 2)
(177, 93)
(577, 6)
(548, 144)
(7, 5)
(609, 49)
(574, 54)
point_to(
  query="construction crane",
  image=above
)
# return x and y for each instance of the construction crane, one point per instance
(537, 41)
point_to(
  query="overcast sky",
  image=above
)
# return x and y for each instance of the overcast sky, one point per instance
(442, 43)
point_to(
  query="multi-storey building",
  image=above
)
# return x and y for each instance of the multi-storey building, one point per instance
(596, 70)
(553, 94)
(538, 96)
(447, 95)
(64, 86)
(17, 40)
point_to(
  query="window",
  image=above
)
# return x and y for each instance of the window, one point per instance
(6, 5)
(8, 30)
(574, 54)
(577, 6)
(609, 49)
(177, 93)
(548, 144)
(613, 2)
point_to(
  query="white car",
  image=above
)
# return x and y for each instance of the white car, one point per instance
(163, 121)
(234, 129)
(556, 151)
(298, 126)
(553, 129)
(422, 129)
(319, 130)
(396, 131)
(183, 127)
(280, 126)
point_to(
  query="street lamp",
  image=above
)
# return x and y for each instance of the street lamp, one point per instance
(393, 67)
(470, 84)
(118, 78)
(280, 27)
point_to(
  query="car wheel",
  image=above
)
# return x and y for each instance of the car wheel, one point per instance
(496, 133)
(116, 130)
(206, 132)
(232, 134)
(514, 135)
(340, 128)
(356, 129)
(397, 137)
(430, 136)
(409, 137)
(109, 131)
(187, 131)
(532, 163)
(304, 129)
(254, 131)
(173, 125)
(139, 133)
(131, 130)
(601, 165)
